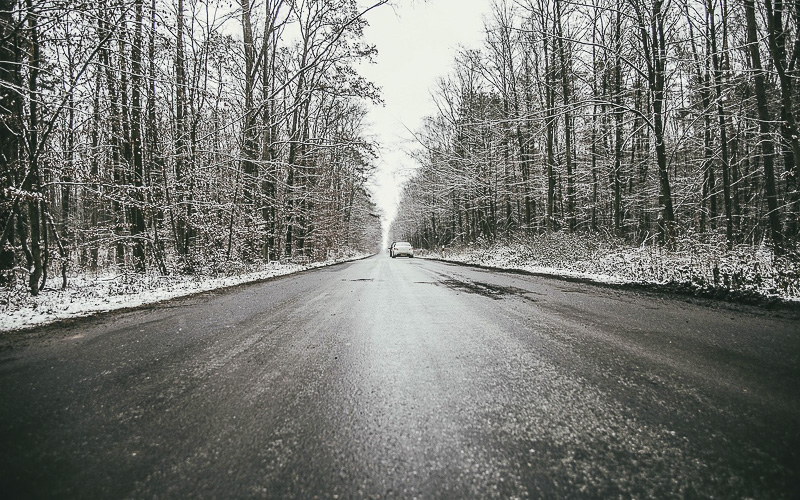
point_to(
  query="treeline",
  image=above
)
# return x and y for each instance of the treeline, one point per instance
(642, 119)
(180, 135)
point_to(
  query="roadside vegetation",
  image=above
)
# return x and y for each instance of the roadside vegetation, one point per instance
(743, 274)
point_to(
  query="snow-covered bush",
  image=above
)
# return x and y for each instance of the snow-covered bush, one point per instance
(690, 263)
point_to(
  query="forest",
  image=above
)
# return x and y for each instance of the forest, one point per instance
(651, 122)
(181, 137)
(193, 137)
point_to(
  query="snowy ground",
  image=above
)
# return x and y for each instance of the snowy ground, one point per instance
(91, 294)
(743, 273)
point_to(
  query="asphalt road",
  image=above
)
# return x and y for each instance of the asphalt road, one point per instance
(390, 378)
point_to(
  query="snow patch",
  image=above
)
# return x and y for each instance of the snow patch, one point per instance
(89, 294)
(689, 265)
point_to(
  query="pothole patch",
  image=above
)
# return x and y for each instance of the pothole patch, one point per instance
(495, 292)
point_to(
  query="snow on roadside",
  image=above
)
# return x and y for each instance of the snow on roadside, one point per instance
(503, 260)
(87, 295)
(693, 267)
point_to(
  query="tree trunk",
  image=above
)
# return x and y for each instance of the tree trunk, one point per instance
(137, 226)
(776, 36)
(32, 183)
(116, 138)
(723, 126)
(616, 178)
(566, 68)
(269, 187)
(182, 208)
(657, 82)
(550, 137)
(154, 162)
(767, 146)
(10, 132)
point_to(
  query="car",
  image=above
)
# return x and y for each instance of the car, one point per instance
(402, 248)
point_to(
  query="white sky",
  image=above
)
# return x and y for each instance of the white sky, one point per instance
(417, 41)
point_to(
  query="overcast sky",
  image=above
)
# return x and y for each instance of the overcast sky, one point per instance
(417, 41)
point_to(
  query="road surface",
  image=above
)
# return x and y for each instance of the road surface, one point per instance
(390, 378)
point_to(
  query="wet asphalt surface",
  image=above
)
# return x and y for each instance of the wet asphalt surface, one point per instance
(405, 379)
